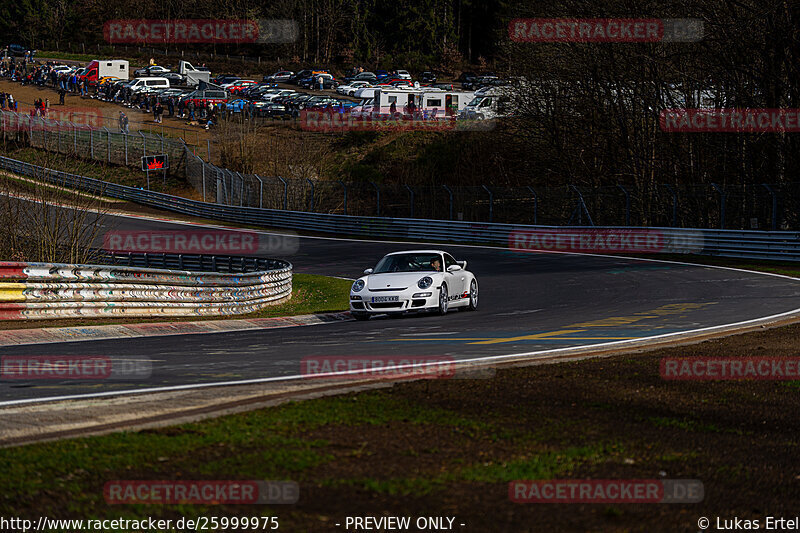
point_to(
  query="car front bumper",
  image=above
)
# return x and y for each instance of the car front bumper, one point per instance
(407, 301)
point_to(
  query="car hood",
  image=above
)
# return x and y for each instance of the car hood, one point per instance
(397, 280)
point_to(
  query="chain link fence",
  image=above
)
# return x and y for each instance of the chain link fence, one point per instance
(755, 206)
(91, 143)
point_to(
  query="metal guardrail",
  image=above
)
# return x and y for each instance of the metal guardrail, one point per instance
(778, 245)
(221, 286)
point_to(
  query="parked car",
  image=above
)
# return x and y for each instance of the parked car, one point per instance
(369, 77)
(300, 75)
(222, 79)
(483, 81)
(318, 102)
(294, 101)
(271, 97)
(402, 74)
(107, 79)
(466, 77)
(173, 77)
(351, 88)
(303, 74)
(151, 70)
(255, 92)
(380, 74)
(273, 110)
(236, 106)
(281, 76)
(428, 77)
(142, 84)
(211, 96)
(169, 93)
(312, 82)
(256, 88)
(17, 50)
(237, 86)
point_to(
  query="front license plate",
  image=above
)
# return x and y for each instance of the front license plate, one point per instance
(379, 299)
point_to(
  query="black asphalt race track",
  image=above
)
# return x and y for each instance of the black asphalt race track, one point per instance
(528, 302)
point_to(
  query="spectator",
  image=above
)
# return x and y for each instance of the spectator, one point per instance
(123, 122)
(61, 94)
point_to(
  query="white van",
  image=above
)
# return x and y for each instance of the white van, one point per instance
(140, 84)
(366, 95)
(493, 103)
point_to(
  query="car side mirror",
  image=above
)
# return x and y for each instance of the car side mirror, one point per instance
(454, 268)
(368, 271)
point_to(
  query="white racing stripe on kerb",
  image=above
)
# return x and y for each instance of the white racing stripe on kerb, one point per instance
(531, 355)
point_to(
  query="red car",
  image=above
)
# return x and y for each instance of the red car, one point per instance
(207, 96)
(237, 86)
(395, 82)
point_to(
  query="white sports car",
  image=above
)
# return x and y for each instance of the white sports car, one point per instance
(416, 280)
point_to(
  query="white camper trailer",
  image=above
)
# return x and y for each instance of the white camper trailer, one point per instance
(431, 103)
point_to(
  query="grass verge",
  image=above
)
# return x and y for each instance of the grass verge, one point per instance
(450, 447)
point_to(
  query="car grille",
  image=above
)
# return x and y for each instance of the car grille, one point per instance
(389, 289)
(386, 305)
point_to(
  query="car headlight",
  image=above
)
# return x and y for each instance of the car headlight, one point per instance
(425, 282)
(358, 285)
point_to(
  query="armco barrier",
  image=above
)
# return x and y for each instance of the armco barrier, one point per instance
(35, 291)
(780, 245)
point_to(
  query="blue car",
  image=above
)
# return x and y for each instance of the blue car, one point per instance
(237, 106)
(380, 74)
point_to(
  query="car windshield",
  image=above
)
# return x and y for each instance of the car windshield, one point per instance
(408, 263)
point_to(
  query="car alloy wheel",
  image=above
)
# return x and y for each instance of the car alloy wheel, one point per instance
(473, 296)
(443, 300)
